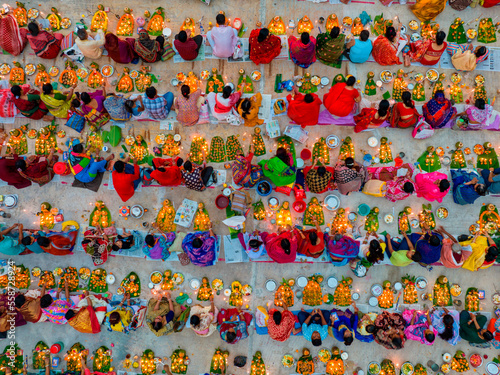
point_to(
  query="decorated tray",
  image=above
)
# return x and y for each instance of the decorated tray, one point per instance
(347, 21)
(413, 25)
(478, 149)
(442, 213)
(432, 75)
(4, 69)
(70, 274)
(30, 69)
(33, 13)
(204, 75)
(65, 23)
(84, 273)
(287, 361)
(156, 277)
(332, 141)
(53, 71)
(440, 151)
(386, 76)
(256, 75)
(324, 355)
(134, 74)
(36, 272)
(107, 71)
(315, 80)
(456, 77)
(47, 277)
(471, 33)
(374, 368)
(479, 79)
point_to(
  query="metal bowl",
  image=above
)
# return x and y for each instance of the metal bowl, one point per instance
(376, 290)
(332, 202)
(137, 211)
(271, 285)
(301, 281)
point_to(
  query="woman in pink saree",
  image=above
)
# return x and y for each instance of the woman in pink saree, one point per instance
(432, 186)
(453, 254)
(282, 246)
(397, 187)
(303, 50)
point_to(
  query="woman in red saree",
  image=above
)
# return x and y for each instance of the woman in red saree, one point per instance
(121, 51)
(370, 118)
(28, 102)
(282, 246)
(61, 243)
(85, 319)
(263, 47)
(44, 44)
(12, 38)
(311, 242)
(37, 169)
(341, 98)
(404, 114)
(233, 324)
(385, 48)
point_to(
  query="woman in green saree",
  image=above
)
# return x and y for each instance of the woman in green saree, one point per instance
(471, 330)
(330, 46)
(58, 103)
(279, 169)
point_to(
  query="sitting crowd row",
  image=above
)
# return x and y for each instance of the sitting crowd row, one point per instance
(88, 313)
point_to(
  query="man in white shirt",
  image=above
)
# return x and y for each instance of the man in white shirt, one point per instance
(222, 38)
(90, 48)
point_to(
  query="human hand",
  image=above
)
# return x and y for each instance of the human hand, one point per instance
(167, 294)
(492, 169)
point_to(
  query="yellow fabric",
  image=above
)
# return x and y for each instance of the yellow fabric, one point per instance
(57, 107)
(427, 10)
(464, 60)
(252, 118)
(476, 259)
(125, 319)
(31, 310)
(81, 321)
(264, 312)
(375, 188)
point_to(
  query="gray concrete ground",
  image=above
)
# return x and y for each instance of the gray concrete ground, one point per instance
(77, 203)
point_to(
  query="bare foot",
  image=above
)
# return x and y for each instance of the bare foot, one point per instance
(110, 157)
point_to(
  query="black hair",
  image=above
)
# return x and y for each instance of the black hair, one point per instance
(151, 92)
(304, 38)
(78, 148)
(365, 34)
(434, 240)
(115, 247)
(406, 98)
(481, 51)
(313, 237)
(19, 301)
(160, 39)
(114, 318)
(245, 105)
(230, 337)
(321, 171)
(185, 91)
(277, 317)
(348, 340)
(197, 243)
(47, 88)
(417, 257)
(440, 36)
(194, 321)
(119, 166)
(221, 19)
(263, 34)
(308, 98)
(480, 103)
(375, 253)
(20, 164)
(350, 81)
(69, 314)
(370, 328)
(349, 162)
(408, 187)
(397, 342)
(182, 36)
(488, 336)
(282, 154)
(383, 108)
(226, 91)
(188, 166)
(430, 337)
(448, 322)
(75, 103)
(156, 326)
(480, 189)
(491, 253)
(33, 28)
(334, 32)
(26, 241)
(150, 240)
(390, 33)
(85, 97)
(444, 185)
(16, 91)
(82, 33)
(316, 342)
(254, 244)
(129, 106)
(43, 241)
(285, 245)
(46, 301)
(179, 162)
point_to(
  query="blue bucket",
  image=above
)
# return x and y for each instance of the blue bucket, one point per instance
(264, 188)
(363, 209)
